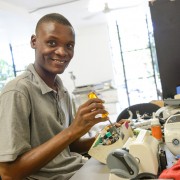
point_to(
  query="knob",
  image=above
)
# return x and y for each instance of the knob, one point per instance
(175, 142)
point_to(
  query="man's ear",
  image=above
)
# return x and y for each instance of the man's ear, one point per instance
(33, 41)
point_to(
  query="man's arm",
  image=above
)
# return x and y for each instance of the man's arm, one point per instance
(82, 145)
(38, 157)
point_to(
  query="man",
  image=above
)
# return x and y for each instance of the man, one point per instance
(37, 130)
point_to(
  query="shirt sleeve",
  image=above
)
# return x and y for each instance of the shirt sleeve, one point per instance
(14, 125)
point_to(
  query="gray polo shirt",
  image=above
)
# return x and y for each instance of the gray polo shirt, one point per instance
(31, 113)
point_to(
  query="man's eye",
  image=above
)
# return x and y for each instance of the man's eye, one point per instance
(51, 43)
(70, 46)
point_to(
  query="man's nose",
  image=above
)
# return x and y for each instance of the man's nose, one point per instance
(61, 51)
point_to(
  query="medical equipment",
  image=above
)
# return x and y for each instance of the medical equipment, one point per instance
(139, 159)
(172, 134)
(109, 140)
(172, 106)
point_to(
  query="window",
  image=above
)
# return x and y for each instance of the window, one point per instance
(136, 73)
(6, 64)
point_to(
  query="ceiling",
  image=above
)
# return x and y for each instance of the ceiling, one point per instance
(18, 17)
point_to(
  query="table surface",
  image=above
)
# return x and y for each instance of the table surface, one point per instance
(92, 170)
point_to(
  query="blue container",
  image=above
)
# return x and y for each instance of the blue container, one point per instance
(178, 90)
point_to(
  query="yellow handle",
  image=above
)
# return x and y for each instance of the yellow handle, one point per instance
(93, 95)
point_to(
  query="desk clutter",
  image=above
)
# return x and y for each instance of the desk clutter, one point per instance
(109, 139)
(136, 149)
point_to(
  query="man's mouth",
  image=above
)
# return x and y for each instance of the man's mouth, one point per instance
(58, 61)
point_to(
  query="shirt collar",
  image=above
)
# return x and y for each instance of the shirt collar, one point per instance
(43, 86)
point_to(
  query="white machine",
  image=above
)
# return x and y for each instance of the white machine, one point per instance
(141, 159)
(172, 106)
(100, 151)
(172, 134)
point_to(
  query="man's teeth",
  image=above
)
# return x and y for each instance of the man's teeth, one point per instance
(60, 62)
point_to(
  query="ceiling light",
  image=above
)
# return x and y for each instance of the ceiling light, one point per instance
(97, 6)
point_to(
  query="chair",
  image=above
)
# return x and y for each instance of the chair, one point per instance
(142, 108)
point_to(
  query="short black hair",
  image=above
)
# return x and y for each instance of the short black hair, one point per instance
(53, 17)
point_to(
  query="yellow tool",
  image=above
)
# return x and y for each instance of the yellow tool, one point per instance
(93, 95)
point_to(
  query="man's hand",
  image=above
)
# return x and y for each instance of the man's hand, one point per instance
(88, 114)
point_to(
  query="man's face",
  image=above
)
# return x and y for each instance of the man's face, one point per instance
(54, 48)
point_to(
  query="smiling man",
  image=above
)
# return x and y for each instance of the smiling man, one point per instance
(38, 134)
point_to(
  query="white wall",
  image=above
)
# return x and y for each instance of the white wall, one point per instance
(92, 60)
(15, 23)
